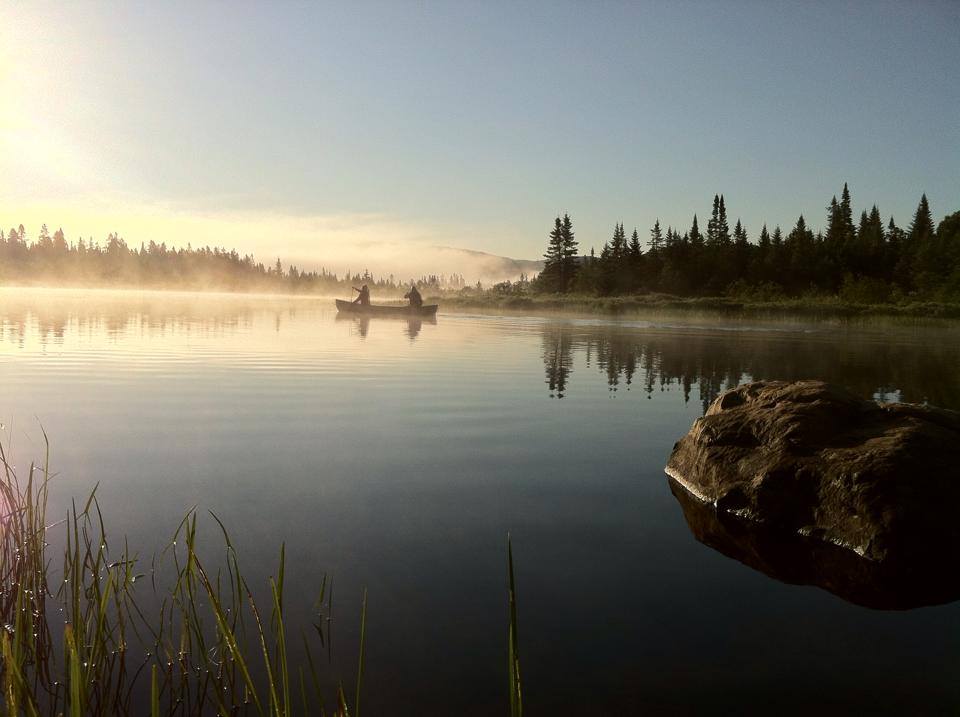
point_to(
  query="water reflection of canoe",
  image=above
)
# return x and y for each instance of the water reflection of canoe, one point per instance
(348, 307)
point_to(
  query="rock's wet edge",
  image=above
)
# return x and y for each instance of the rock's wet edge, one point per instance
(807, 534)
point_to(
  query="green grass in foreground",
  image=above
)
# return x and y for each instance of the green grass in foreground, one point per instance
(77, 640)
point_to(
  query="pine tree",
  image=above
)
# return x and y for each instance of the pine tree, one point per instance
(922, 226)
(569, 254)
(671, 239)
(723, 229)
(894, 233)
(846, 214)
(834, 236)
(695, 237)
(741, 251)
(763, 255)
(714, 221)
(656, 238)
(739, 235)
(618, 244)
(876, 224)
(553, 257)
(800, 235)
(777, 239)
(763, 243)
(634, 249)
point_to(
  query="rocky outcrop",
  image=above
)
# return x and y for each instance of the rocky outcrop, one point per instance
(814, 459)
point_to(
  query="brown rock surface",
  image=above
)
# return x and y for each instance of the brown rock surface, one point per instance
(812, 458)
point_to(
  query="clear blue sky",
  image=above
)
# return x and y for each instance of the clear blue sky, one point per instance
(471, 124)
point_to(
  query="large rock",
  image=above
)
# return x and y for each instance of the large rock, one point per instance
(814, 459)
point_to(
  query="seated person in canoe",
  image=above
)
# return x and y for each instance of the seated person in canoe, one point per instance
(416, 301)
(364, 298)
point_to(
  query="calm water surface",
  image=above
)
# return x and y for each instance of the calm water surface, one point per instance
(397, 456)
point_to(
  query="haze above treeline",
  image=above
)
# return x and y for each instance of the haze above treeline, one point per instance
(871, 261)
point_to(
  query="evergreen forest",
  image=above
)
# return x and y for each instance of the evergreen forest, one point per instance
(50, 259)
(862, 261)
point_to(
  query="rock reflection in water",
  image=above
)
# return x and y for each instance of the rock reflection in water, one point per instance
(797, 560)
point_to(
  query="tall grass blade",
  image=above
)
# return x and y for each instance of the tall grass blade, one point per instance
(363, 635)
(154, 692)
(513, 642)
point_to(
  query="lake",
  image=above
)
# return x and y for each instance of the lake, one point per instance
(396, 456)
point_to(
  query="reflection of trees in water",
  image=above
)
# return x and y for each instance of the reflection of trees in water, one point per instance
(557, 358)
(50, 321)
(894, 366)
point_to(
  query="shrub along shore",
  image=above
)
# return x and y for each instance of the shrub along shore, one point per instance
(818, 307)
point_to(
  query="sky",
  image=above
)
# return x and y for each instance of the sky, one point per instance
(324, 132)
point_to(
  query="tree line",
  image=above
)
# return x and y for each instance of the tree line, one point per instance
(51, 259)
(867, 261)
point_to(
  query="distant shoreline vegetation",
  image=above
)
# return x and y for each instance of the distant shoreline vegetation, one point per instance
(847, 270)
(853, 264)
(50, 260)
(814, 306)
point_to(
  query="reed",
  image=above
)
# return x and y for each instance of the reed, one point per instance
(513, 641)
(91, 638)
(78, 639)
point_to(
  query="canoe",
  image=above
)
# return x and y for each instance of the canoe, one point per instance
(348, 307)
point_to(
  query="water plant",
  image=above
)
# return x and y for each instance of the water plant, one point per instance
(89, 637)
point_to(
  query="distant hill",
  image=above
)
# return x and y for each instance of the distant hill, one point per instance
(487, 267)
(407, 261)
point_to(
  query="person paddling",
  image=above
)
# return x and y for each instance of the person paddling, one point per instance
(416, 301)
(364, 298)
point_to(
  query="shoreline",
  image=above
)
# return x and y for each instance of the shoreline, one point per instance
(626, 306)
(825, 308)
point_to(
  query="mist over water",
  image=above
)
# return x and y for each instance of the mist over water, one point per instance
(387, 453)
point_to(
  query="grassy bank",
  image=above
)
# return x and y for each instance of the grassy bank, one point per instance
(807, 308)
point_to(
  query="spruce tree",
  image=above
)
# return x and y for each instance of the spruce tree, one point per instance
(834, 236)
(894, 233)
(695, 237)
(714, 221)
(723, 229)
(922, 226)
(671, 239)
(553, 258)
(656, 238)
(739, 235)
(634, 249)
(876, 225)
(846, 214)
(569, 254)
(618, 244)
(763, 255)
